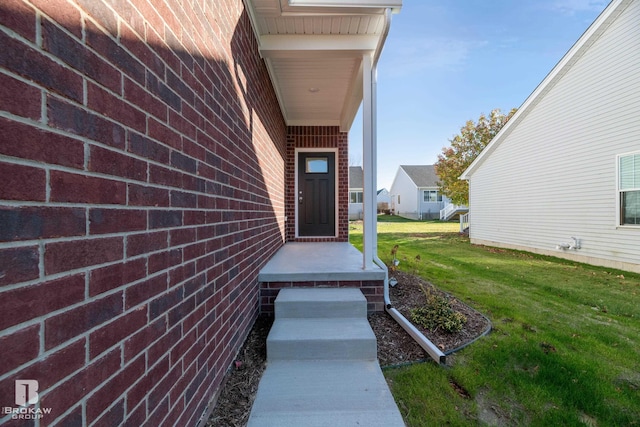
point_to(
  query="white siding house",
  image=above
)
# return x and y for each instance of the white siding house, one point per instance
(356, 180)
(384, 200)
(569, 159)
(356, 185)
(414, 193)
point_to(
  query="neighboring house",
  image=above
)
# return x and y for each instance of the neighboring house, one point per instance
(356, 180)
(414, 193)
(356, 187)
(383, 200)
(154, 156)
(563, 176)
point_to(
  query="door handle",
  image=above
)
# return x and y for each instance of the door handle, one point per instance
(300, 199)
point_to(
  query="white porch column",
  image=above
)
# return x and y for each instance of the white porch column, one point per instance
(369, 239)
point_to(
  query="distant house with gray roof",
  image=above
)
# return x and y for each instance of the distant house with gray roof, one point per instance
(414, 193)
(384, 200)
(356, 185)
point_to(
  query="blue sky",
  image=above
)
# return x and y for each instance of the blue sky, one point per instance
(446, 62)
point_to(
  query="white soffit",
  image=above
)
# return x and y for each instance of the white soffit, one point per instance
(313, 51)
(346, 3)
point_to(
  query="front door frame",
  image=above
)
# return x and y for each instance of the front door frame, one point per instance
(336, 183)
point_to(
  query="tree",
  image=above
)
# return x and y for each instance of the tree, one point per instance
(464, 149)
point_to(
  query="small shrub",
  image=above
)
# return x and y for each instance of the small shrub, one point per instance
(438, 314)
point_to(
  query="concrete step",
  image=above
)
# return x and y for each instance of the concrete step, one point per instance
(320, 302)
(324, 393)
(321, 339)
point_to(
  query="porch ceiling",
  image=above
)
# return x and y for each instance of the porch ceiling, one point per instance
(313, 50)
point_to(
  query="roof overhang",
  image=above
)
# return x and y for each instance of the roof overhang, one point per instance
(313, 51)
(359, 5)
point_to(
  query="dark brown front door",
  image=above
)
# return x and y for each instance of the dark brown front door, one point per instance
(316, 194)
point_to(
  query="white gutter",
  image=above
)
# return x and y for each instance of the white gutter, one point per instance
(369, 204)
(434, 352)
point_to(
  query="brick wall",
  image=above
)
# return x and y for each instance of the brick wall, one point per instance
(319, 137)
(142, 161)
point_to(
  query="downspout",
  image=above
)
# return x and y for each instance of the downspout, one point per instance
(418, 336)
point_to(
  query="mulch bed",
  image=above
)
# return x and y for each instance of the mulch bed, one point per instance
(408, 294)
(395, 347)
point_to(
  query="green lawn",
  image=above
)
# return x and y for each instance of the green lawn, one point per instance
(565, 345)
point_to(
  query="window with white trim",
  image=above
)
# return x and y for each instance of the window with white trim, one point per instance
(431, 196)
(355, 197)
(629, 188)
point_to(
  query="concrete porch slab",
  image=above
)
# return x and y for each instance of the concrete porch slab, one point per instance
(317, 261)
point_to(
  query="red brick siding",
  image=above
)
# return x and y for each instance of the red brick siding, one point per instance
(142, 161)
(300, 137)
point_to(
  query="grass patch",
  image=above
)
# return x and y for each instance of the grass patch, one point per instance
(565, 349)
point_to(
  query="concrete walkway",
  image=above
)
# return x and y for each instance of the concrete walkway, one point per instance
(322, 368)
